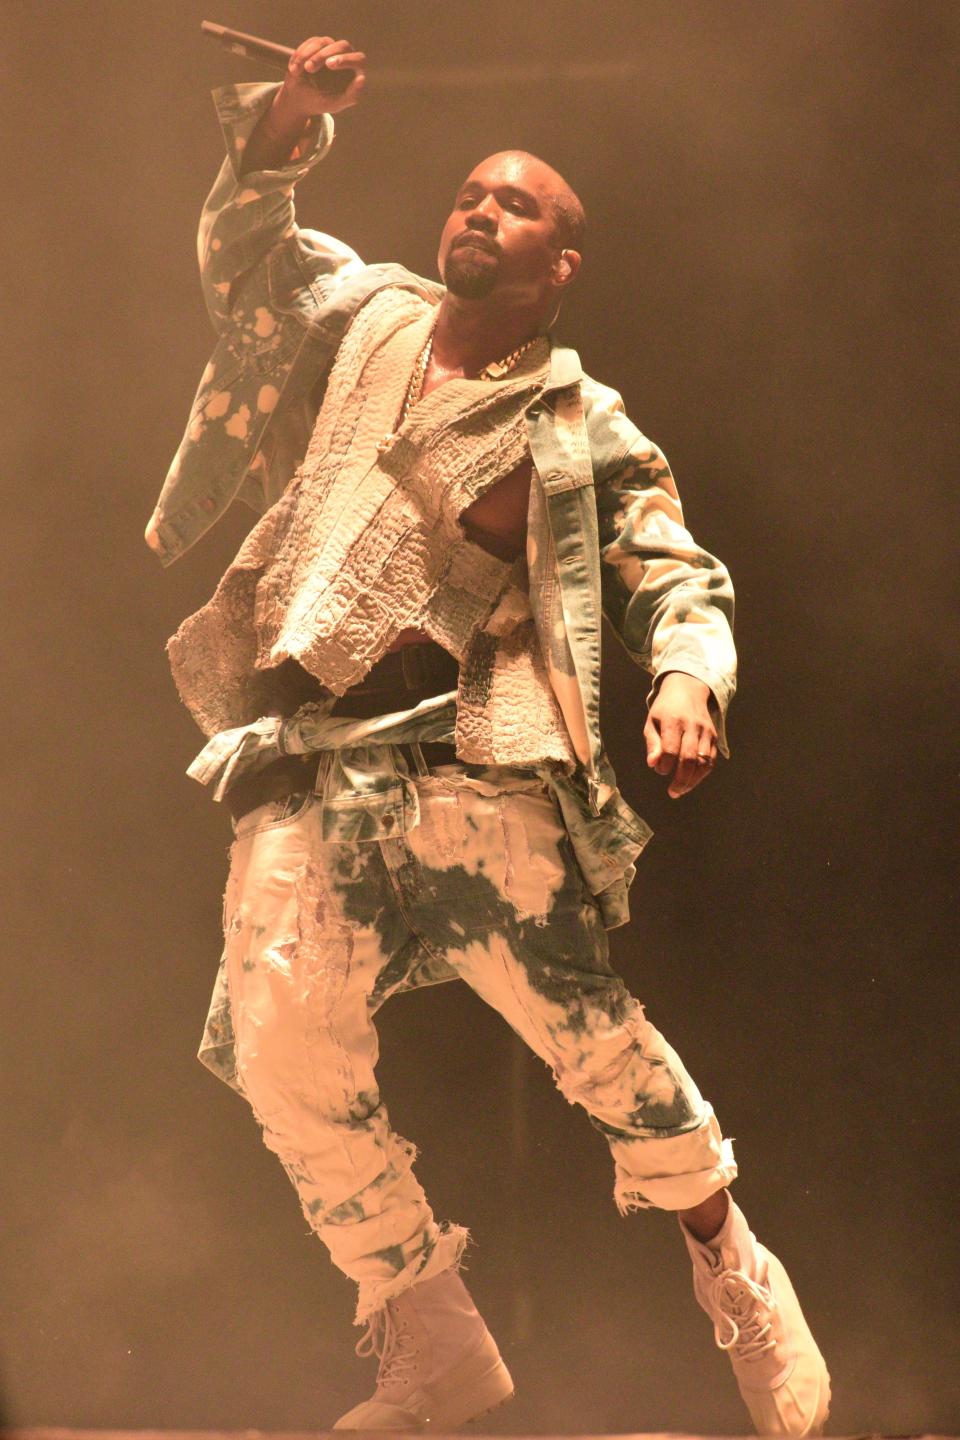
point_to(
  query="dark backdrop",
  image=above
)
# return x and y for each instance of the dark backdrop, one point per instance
(769, 283)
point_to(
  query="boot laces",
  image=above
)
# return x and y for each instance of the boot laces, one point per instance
(740, 1305)
(383, 1337)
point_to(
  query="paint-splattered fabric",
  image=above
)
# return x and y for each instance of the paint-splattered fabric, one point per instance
(319, 933)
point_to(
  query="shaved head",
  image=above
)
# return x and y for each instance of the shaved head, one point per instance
(570, 221)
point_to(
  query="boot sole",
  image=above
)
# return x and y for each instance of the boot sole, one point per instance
(475, 1396)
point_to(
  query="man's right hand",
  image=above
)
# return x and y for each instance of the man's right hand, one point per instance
(299, 96)
(298, 100)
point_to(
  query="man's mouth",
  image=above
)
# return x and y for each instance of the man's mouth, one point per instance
(476, 242)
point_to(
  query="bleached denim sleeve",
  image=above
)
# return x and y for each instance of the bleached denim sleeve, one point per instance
(245, 216)
(669, 601)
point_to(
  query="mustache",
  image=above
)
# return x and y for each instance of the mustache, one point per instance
(478, 240)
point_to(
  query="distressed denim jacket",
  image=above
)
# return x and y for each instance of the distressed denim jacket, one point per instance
(604, 510)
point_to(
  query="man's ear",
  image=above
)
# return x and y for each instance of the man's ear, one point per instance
(565, 267)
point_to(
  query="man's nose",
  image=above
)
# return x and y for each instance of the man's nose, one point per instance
(483, 217)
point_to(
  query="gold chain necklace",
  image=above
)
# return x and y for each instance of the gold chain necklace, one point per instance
(494, 371)
(498, 368)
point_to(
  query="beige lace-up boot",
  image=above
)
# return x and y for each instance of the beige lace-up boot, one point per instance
(439, 1364)
(758, 1321)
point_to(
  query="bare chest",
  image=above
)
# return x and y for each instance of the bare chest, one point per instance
(497, 520)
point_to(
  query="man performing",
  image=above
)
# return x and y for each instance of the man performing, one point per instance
(399, 676)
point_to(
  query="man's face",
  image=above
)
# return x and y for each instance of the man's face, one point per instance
(500, 236)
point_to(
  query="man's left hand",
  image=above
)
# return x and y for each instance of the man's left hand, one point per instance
(680, 734)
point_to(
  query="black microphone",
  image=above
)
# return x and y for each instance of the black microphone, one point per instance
(328, 82)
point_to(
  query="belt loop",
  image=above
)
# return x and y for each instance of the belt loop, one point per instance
(422, 767)
(323, 769)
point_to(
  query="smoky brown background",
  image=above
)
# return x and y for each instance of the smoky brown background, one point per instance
(770, 282)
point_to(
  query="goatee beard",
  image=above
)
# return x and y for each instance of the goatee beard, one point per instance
(469, 282)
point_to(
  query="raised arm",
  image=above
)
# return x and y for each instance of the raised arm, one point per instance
(274, 134)
(264, 278)
(669, 601)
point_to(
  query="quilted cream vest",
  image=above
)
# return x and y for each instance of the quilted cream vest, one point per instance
(363, 544)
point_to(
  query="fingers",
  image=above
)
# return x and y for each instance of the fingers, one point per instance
(308, 49)
(697, 755)
(686, 752)
(651, 734)
(319, 53)
(340, 59)
(351, 95)
(669, 733)
(321, 50)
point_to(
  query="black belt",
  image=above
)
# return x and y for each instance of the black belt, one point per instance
(399, 680)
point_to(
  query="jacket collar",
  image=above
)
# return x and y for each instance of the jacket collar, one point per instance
(565, 368)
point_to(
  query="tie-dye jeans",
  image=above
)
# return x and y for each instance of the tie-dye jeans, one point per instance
(318, 934)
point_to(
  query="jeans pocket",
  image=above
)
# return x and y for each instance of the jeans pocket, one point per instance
(273, 814)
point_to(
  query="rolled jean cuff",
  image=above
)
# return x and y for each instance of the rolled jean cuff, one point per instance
(673, 1173)
(445, 1254)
